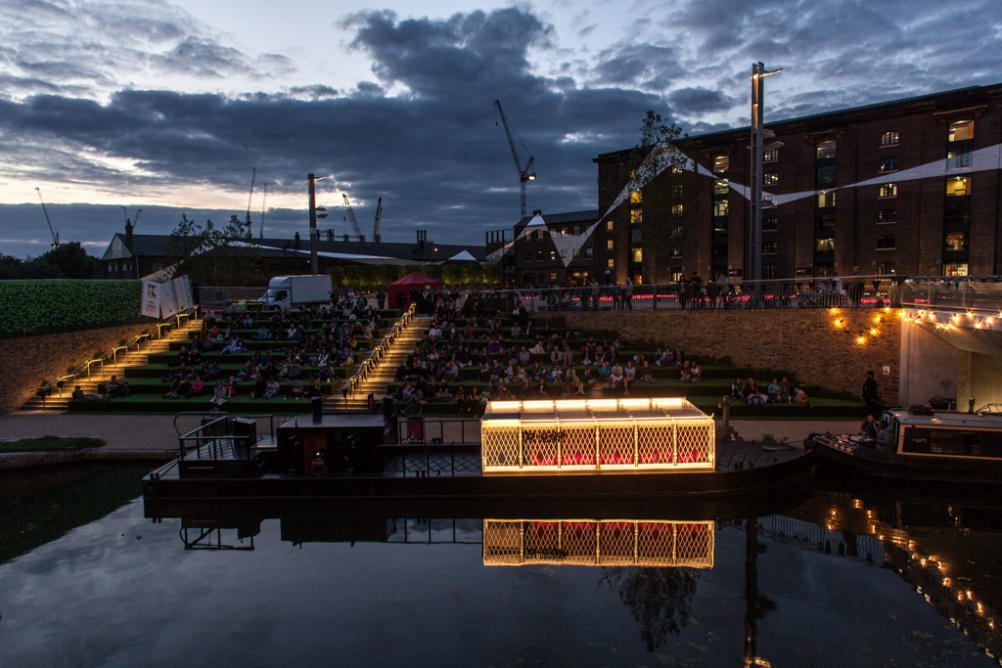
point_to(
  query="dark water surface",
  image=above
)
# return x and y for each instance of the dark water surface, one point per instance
(814, 586)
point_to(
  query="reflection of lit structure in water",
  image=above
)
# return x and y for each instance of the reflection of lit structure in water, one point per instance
(850, 529)
(604, 434)
(598, 543)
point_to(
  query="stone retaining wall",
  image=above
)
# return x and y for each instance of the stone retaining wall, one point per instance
(28, 361)
(819, 346)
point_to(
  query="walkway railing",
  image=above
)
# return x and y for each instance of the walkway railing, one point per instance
(349, 386)
(156, 331)
(796, 293)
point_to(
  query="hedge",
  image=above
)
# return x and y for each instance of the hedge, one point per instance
(49, 306)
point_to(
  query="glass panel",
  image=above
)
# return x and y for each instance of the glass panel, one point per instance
(961, 131)
(826, 150)
(958, 187)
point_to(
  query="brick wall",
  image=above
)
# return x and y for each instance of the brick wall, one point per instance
(805, 342)
(29, 360)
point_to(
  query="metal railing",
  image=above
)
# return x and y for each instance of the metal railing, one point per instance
(218, 436)
(156, 331)
(842, 292)
(437, 430)
(422, 460)
(976, 294)
(351, 384)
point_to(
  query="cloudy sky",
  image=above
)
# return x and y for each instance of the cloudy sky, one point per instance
(169, 105)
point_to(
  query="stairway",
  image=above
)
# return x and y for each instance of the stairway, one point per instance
(58, 400)
(383, 373)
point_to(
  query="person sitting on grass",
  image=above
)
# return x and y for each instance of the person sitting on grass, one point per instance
(271, 389)
(196, 388)
(80, 395)
(696, 373)
(800, 398)
(218, 395)
(116, 389)
(646, 373)
(296, 389)
(774, 391)
(617, 379)
(737, 389)
(464, 404)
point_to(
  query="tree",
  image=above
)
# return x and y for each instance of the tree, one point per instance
(660, 599)
(209, 255)
(68, 260)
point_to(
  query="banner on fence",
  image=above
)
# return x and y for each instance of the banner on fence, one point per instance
(168, 299)
(162, 300)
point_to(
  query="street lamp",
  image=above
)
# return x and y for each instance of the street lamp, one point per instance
(757, 134)
(313, 221)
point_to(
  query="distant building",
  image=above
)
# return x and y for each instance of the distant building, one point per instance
(136, 255)
(910, 187)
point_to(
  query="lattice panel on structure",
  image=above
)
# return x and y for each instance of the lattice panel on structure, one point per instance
(695, 443)
(500, 447)
(579, 542)
(542, 542)
(578, 445)
(502, 543)
(540, 446)
(694, 545)
(655, 443)
(656, 543)
(616, 543)
(616, 445)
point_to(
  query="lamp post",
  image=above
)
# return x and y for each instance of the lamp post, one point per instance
(757, 133)
(313, 222)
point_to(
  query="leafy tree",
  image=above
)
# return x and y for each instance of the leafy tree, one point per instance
(68, 260)
(660, 599)
(212, 255)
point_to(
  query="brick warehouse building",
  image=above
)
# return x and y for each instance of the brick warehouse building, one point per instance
(908, 187)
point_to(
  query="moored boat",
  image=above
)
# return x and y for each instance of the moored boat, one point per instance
(922, 446)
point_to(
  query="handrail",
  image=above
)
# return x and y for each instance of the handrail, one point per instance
(112, 353)
(349, 386)
(199, 439)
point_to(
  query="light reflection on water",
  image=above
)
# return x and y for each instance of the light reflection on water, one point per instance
(121, 591)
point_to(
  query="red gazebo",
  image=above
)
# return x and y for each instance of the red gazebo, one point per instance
(415, 280)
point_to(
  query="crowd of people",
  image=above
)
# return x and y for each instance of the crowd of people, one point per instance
(779, 391)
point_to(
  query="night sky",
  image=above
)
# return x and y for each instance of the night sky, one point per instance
(167, 106)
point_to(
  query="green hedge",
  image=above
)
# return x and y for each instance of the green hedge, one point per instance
(45, 307)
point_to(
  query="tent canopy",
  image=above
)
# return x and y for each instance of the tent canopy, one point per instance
(414, 280)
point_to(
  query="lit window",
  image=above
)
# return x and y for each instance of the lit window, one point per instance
(636, 197)
(958, 186)
(721, 164)
(885, 242)
(887, 216)
(885, 267)
(677, 189)
(961, 131)
(636, 216)
(676, 210)
(826, 199)
(955, 269)
(720, 226)
(770, 179)
(609, 244)
(676, 274)
(553, 254)
(955, 241)
(826, 150)
(637, 255)
(553, 277)
(675, 250)
(769, 270)
(539, 254)
(720, 207)
(888, 190)
(769, 247)
(888, 164)
(825, 245)
(608, 225)
(610, 263)
(721, 187)
(676, 231)
(769, 224)
(889, 139)
(772, 155)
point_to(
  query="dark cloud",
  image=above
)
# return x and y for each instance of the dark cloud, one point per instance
(693, 101)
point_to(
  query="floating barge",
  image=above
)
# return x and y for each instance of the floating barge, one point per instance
(591, 449)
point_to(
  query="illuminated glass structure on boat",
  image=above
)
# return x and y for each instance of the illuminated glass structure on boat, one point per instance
(623, 435)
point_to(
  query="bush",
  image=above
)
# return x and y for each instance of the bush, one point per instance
(45, 307)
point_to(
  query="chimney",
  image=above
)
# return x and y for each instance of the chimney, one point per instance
(537, 212)
(128, 232)
(296, 241)
(422, 237)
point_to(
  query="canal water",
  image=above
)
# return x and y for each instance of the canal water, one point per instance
(88, 579)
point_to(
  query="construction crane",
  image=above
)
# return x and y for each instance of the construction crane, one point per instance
(249, 198)
(135, 219)
(52, 230)
(352, 218)
(529, 172)
(264, 200)
(375, 225)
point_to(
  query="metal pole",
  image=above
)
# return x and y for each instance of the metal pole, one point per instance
(313, 225)
(755, 225)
